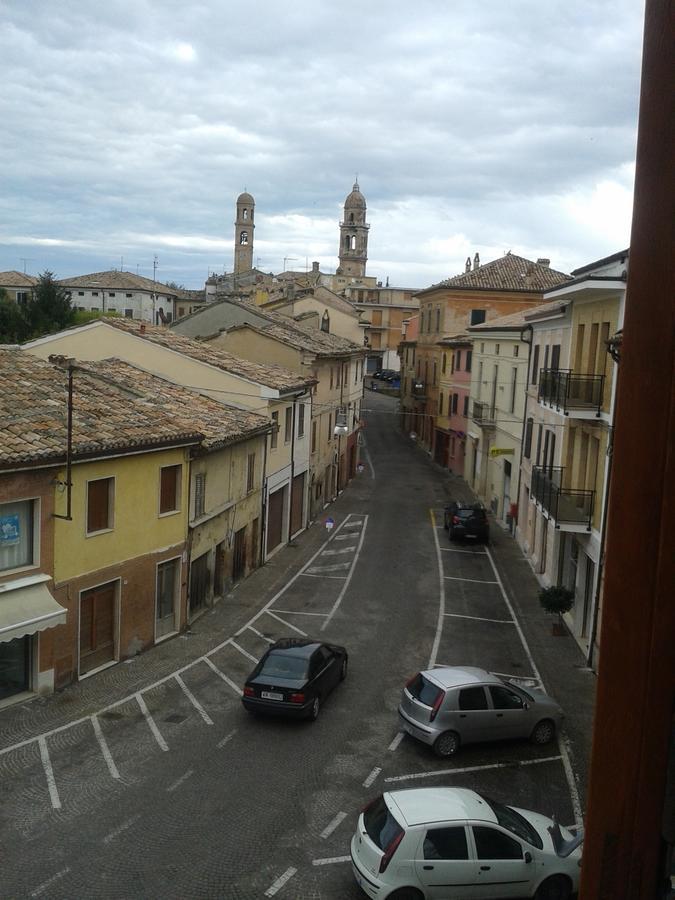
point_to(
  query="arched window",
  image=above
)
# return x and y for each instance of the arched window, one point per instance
(245, 214)
(325, 322)
(347, 242)
(353, 242)
(351, 217)
(243, 237)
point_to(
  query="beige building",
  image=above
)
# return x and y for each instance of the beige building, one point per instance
(18, 285)
(278, 394)
(385, 309)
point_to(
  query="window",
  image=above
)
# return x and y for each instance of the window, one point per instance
(496, 349)
(446, 843)
(465, 411)
(528, 439)
(100, 495)
(200, 494)
(458, 360)
(337, 376)
(514, 379)
(455, 399)
(435, 373)
(18, 534)
(169, 489)
(93, 309)
(250, 472)
(473, 698)
(331, 378)
(477, 316)
(493, 844)
(540, 429)
(313, 437)
(274, 437)
(438, 319)
(444, 363)
(128, 313)
(452, 363)
(503, 698)
(111, 293)
(469, 354)
(301, 420)
(166, 592)
(516, 349)
(112, 309)
(94, 293)
(555, 357)
(330, 426)
(80, 293)
(440, 404)
(546, 351)
(288, 425)
(534, 377)
(243, 237)
(128, 295)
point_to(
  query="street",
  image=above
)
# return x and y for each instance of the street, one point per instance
(152, 781)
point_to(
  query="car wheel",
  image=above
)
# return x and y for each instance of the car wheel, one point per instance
(343, 670)
(543, 732)
(556, 888)
(447, 744)
(315, 709)
(406, 893)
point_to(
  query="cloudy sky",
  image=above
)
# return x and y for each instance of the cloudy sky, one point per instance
(130, 127)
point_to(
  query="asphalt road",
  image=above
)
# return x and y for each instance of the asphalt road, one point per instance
(173, 791)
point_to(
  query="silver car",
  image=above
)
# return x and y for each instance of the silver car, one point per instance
(454, 705)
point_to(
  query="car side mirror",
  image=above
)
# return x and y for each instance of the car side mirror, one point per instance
(528, 856)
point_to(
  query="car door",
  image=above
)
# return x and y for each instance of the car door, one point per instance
(503, 868)
(445, 865)
(321, 668)
(472, 713)
(509, 713)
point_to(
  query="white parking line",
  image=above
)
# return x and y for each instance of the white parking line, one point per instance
(255, 631)
(344, 537)
(357, 523)
(151, 722)
(179, 781)
(193, 700)
(333, 824)
(457, 550)
(349, 576)
(242, 651)
(441, 597)
(104, 748)
(123, 827)
(226, 739)
(338, 550)
(313, 575)
(287, 624)
(373, 775)
(331, 859)
(479, 619)
(49, 774)
(50, 881)
(508, 765)
(335, 567)
(472, 580)
(280, 882)
(397, 740)
(235, 687)
(300, 612)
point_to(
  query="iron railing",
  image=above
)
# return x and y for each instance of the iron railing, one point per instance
(567, 506)
(483, 414)
(569, 392)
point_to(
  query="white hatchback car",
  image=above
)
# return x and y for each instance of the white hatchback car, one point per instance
(454, 844)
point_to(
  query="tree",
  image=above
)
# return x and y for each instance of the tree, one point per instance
(557, 599)
(12, 322)
(48, 308)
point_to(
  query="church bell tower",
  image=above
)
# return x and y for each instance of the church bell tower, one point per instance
(243, 234)
(353, 251)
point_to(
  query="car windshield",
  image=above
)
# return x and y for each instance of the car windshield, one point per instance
(381, 826)
(283, 665)
(516, 688)
(423, 690)
(515, 823)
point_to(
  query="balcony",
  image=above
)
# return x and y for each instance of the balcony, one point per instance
(570, 509)
(578, 396)
(483, 414)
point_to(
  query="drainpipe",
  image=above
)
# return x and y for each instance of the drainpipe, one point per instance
(290, 498)
(263, 503)
(529, 330)
(64, 363)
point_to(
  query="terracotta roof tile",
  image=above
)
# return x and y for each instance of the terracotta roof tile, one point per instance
(508, 273)
(17, 279)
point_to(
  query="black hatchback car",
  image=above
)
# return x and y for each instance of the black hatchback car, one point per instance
(294, 677)
(466, 520)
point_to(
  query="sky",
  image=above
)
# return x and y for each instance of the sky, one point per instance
(130, 128)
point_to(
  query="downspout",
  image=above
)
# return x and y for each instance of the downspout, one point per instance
(290, 498)
(67, 363)
(188, 544)
(263, 503)
(529, 330)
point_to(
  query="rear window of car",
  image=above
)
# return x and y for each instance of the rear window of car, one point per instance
(470, 512)
(423, 690)
(283, 665)
(381, 827)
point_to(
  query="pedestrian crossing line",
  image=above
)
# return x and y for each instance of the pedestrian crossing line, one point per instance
(287, 624)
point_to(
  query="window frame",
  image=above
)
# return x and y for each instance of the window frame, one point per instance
(178, 467)
(288, 424)
(199, 495)
(176, 560)
(35, 518)
(112, 490)
(250, 473)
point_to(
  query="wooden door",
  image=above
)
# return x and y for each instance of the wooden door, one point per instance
(275, 517)
(97, 627)
(239, 555)
(298, 503)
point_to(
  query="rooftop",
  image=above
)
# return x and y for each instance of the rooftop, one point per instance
(508, 273)
(17, 279)
(121, 281)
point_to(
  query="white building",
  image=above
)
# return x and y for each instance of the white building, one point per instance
(124, 293)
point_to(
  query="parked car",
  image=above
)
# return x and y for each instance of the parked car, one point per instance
(449, 706)
(466, 520)
(294, 677)
(454, 844)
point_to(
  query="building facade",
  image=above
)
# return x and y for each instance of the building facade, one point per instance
(243, 234)
(353, 249)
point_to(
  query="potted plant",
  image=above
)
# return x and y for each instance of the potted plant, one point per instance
(557, 599)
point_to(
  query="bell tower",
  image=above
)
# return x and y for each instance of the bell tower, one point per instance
(243, 234)
(353, 250)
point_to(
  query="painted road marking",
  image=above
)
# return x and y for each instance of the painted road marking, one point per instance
(457, 550)
(334, 567)
(441, 596)
(41, 888)
(331, 859)
(179, 781)
(49, 774)
(255, 631)
(349, 576)
(122, 827)
(235, 687)
(506, 765)
(226, 739)
(357, 523)
(312, 575)
(479, 619)
(333, 824)
(300, 612)
(287, 624)
(104, 748)
(369, 460)
(193, 700)
(472, 580)
(151, 723)
(397, 740)
(338, 550)
(280, 882)
(242, 651)
(344, 537)
(373, 775)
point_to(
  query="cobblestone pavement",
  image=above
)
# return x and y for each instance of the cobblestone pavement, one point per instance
(150, 780)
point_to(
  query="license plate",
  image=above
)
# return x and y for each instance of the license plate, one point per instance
(271, 695)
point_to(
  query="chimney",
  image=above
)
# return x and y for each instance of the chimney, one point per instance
(63, 362)
(476, 261)
(542, 261)
(467, 264)
(315, 268)
(142, 329)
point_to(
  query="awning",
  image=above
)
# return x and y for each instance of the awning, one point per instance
(26, 606)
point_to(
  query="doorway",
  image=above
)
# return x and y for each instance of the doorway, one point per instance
(98, 608)
(239, 554)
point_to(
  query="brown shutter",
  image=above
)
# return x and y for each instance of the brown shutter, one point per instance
(98, 502)
(168, 493)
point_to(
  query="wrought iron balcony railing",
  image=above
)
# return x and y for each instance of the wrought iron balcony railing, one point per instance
(566, 506)
(483, 414)
(571, 393)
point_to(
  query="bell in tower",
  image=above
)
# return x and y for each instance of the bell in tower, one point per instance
(243, 234)
(353, 252)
